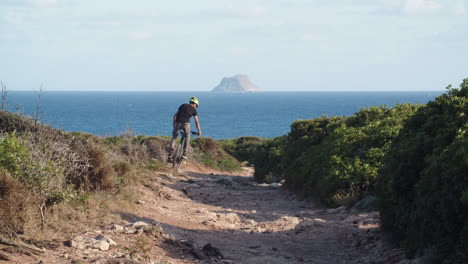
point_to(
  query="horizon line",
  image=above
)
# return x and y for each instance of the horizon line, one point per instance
(282, 91)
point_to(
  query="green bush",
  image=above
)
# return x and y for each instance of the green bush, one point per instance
(342, 168)
(424, 182)
(13, 153)
(243, 148)
(275, 157)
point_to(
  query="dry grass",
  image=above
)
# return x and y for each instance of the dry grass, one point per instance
(19, 209)
(156, 147)
(102, 175)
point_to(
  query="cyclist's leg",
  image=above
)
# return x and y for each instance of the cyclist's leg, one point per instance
(175, 134)
(186, 128)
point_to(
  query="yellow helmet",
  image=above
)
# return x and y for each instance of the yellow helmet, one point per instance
(194, 100)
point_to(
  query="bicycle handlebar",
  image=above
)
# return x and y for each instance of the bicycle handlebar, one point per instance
(191, 132)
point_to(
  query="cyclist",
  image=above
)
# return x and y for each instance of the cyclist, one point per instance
(181, 121)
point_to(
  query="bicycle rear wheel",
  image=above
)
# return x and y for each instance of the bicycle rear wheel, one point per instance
(178, 154)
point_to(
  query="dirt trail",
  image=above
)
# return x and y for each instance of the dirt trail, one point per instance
(260, 223)
(207, 217)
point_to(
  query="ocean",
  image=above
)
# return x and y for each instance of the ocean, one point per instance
(222, 116)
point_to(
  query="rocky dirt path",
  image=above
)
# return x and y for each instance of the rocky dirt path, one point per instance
(260, 223)
(207, 217)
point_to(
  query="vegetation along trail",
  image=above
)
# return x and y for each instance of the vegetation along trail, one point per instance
(202, 216)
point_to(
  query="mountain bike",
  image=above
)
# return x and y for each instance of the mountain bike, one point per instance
(177, 159)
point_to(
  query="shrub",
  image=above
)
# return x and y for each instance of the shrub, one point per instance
(101, 175)
(42, 164)
(424, 181)
(273, 159)
(18, 207)
(157, 147)
(243, 148)
(355, 152)
(209, 152)
(13, 153)
(335, 159)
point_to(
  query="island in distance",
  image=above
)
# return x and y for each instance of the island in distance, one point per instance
(237, 84)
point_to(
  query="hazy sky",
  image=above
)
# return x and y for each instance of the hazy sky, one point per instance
(190, 45)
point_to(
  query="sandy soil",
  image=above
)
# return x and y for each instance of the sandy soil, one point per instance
(201, 216)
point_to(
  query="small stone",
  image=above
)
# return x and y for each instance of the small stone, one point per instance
(209, 250)
(249, 222)
(198, 254)
(130, 230)
(116, 227)
(101, 245)
(107, 239)
(140, 225)
(201, 211)
(230, 217)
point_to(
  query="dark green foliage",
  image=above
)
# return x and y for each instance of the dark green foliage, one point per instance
(335, 159)
(267, 160)
(315, 130)
(275, 157)
(424, 182)
(243, 148)
(341, 166)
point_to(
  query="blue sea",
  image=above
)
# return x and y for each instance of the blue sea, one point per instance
(222, 116)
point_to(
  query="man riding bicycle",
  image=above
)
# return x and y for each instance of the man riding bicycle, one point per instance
(181, 121)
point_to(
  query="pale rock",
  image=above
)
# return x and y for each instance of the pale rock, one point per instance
(319, 221)
(201, 211)
(230, 217)
(86, 242)
(130, 230)
(116, 227)
(139, 225)
(250, 222)
(101, 245)
(290, 220)
(107, 239)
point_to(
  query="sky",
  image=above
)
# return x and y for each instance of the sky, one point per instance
(282, 45)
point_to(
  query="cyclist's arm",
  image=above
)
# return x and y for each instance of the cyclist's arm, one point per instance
(175, 117)
(197, 124)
